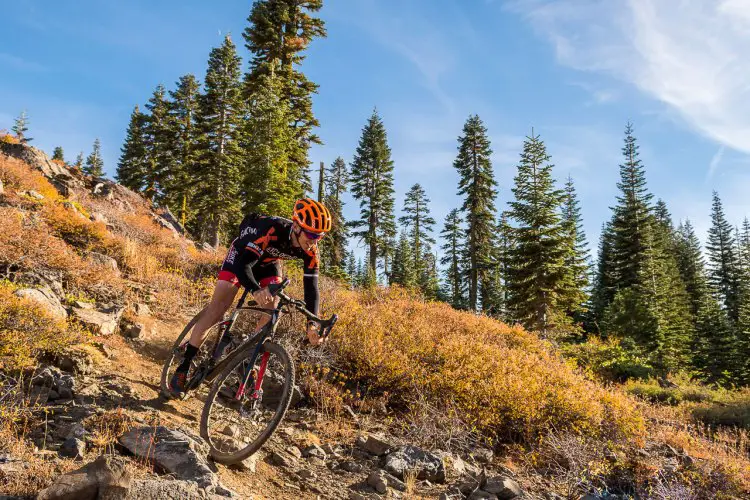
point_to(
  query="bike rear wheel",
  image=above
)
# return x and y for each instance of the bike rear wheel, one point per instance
(177, 353)
(236, 424)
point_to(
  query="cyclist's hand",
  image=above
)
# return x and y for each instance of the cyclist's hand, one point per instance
(312, 334)
(264, 298)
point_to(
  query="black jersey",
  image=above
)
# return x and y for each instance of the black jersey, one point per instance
(262, 242)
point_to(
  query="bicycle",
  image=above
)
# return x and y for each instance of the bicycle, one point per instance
(240, 391)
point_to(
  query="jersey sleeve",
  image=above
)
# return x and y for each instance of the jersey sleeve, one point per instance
(310, 280)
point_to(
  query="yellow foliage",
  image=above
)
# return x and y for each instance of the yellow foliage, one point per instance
(26, 330)
(18, 176)
(503, 380)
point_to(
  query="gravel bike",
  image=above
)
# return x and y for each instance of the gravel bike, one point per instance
(252, 379)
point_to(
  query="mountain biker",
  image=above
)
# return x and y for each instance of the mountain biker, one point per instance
(253, 262)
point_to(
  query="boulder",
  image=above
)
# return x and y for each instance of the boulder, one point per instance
(142, 309)
(105, 477)
(46, 298)
(103, 321)
(374, 445)
(103, 260)
(136, 331)
(171, 450)
(504, 487)
(406, 458)
(160, 489)
(73, 448)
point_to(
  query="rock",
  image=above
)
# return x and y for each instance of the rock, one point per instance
(47, 377)
(353, 495)
(136, 331)
(231, 431)
(172, 221)
(105, 477)
(282, 459)
(102, 321)
(73, 448)
(273, 387)
(250, 464)
(306, 475)
(317, 462)
(352, 466)
(427, 465)
(103, 260)
(97, 217)
(103, 189)
(377, 481)
(53, 395)
(172, 450)
(332, 450)
(33, 194)
(205, 247)
(482, 455)
(481, 495)
(46, 298)
(504, 487)
(2, 189)
(158, 489)
(394, 482)
(314, 451)
(76, 431)
(375, 445)
(294, 451)
(78, 362)
(142, 309)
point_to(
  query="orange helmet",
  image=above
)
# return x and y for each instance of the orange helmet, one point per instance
(312, 216)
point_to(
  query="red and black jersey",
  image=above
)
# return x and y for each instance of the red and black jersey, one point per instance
(262, 242)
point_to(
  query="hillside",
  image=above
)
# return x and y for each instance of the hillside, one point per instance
(97, 283)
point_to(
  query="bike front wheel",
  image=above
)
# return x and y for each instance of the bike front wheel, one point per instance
(238, 418)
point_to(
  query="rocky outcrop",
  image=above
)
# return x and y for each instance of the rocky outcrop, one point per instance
(64, 180)
(410, 458)
(102, 320)
(46, 298)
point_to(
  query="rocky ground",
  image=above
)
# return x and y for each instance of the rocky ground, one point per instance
(161, 455)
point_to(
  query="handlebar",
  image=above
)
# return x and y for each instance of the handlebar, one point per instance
(277, 290)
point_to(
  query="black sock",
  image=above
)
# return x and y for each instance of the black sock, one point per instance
(190, 352)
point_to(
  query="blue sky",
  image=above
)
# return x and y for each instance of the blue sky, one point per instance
(574, 70)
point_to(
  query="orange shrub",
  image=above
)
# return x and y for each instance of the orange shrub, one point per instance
(504, 381)
(18, 176)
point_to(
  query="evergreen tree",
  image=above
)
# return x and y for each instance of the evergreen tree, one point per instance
(334, 245)
(21, 126)
(79, 160)
(577, 261)
(429, 281)
(157, 145)
(94, 162)
(477, 185)
(280, 30)
(538, 279)
(605, 279)
(692, 265)
(724, 270)
(131, 169)
(372, 184)
(219, 126)
(351, 269)
(183, 144)
(418, 224)
(404, 270)
(272, 179)
(58, 154)
(715, 349)
(453, 249)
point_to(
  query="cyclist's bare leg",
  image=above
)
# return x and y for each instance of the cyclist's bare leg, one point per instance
(221, 301)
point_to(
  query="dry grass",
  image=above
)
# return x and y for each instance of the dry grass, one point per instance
(107, 427)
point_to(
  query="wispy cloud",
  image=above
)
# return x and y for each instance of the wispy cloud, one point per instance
(692, 56)
(714, 163)
(19, 63)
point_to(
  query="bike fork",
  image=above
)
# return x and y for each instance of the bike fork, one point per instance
(258, 378)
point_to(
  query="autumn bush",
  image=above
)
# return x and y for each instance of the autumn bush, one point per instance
(18, 176)
(27, 331)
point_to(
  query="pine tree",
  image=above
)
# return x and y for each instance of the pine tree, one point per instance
(334, 245)
(183, 146)
(404, 270)
(272, 178)
(724, 270)
(605, 279)
(477, 185)
(692, 265)
(58, 154)
(351, 269)
(79, 160)
(418, 224)
(131, 169)
(372, 184)
(219, 126)
(715, 350)
(94, 162)
(453, 249)
(577, 260)
(280, 30)
(538, 279)
(429, 281)
(20, 128)
(157, 144)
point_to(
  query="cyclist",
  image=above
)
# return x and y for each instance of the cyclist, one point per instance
(253, 262)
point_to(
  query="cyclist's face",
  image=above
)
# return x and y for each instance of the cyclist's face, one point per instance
(304, 242)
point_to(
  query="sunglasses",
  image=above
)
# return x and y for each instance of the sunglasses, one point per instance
(313, 236)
